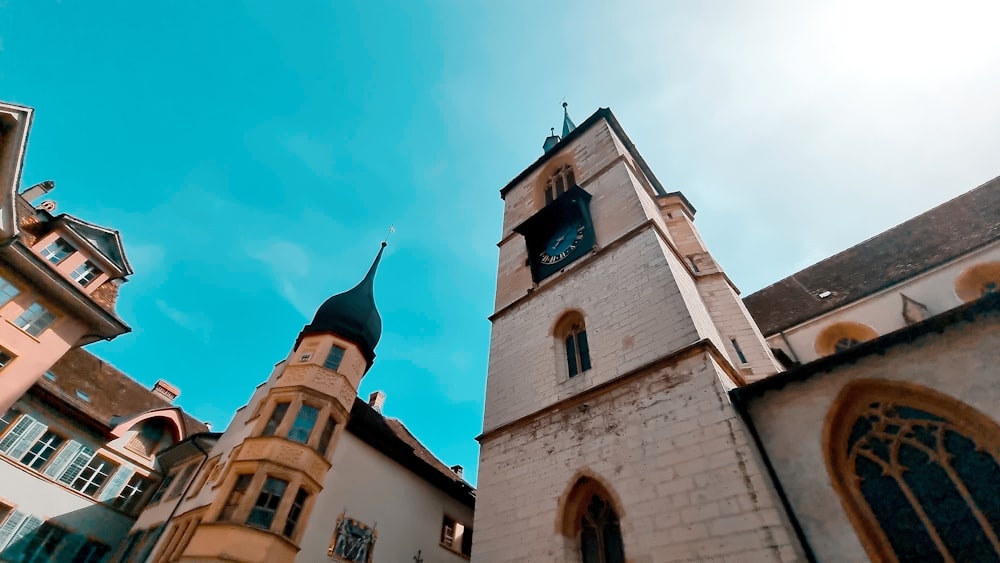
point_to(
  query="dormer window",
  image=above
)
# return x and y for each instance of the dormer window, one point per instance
(85, 273)
(559, 183)
(57, 251)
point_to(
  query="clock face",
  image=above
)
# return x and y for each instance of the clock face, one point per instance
(562, 243)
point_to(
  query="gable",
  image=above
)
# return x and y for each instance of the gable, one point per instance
(107, 242)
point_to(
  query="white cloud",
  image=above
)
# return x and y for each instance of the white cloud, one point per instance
(196, 323)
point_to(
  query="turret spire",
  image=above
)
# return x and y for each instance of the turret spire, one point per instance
(352, 314)
(568, 125)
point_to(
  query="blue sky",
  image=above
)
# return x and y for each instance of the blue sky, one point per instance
(253, 155)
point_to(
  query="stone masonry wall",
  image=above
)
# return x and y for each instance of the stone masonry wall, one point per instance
(673, 452)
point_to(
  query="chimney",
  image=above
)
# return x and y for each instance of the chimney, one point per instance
(166, 391)
(38, 190)
(376, 400)
(457, 469)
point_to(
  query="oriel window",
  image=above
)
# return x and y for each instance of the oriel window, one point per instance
(305, 420)
(262, 513)
(277, 415)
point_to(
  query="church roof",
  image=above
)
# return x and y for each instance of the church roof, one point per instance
(930, 239)
(352, 315)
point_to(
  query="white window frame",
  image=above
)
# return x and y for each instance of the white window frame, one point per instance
(8, 291)
(95, 466)
(86, 273)
(35, 319)
(52, 249)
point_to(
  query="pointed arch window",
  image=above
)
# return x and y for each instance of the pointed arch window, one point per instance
(601, 534)
(572, 334)
(917, 472)
(559, 182)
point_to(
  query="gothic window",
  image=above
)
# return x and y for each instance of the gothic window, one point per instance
(917, 472)
(558, 183)
(353, 541)
(571, 332)
(601, 535)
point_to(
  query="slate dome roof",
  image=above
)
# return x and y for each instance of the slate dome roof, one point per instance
(352, 315)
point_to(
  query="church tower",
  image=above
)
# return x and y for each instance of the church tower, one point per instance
(275, 456)
(608, 433)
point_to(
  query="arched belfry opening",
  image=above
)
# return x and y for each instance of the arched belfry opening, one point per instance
(917, 472)
(590, 519)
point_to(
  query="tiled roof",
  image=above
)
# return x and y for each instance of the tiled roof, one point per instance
(390, 437)
(930, 239)
(109, 392)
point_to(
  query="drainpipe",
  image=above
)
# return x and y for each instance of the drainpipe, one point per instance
(181, 498)
(790, 349)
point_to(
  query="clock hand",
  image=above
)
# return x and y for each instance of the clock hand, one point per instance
(558, 242)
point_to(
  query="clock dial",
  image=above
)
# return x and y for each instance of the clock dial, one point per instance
(562, 243)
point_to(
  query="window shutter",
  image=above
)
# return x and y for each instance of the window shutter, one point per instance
(21, 538)
(571, 355)
(584, 350)
(76, 466)
(63, 458)
(10, 526)
(34, 432)
(115, 484)
(16, 433)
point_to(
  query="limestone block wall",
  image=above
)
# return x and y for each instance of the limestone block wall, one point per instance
(671, 450)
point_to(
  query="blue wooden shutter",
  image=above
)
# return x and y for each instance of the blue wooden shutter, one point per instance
(571, 355)
(63, 458)
(584, 351)
(115, 484)
(10, 527)
(22, 445)
(76, 466)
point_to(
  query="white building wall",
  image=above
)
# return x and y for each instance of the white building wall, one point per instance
(406, 510)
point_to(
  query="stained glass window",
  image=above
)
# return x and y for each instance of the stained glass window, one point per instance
(929, 485)
(601, 538)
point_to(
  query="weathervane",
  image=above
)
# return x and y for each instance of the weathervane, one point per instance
(385, 241)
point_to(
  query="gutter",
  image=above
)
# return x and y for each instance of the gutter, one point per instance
(740, 404)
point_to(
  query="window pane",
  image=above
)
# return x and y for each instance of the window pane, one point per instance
(7, 291)
(93, 477)
(267, 503)
(35, 319)
(8, 417)
(85, 273)
(42, 450)
(571, 355)
(276, 417)
(327, 435)
(57, 251)
(334, 358)
(239, 489)
(295, 511)
(303, 424)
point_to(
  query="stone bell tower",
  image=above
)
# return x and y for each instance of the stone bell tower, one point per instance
(276, 454)
(607, 432)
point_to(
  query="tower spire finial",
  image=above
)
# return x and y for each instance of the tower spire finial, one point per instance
(568, 125)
